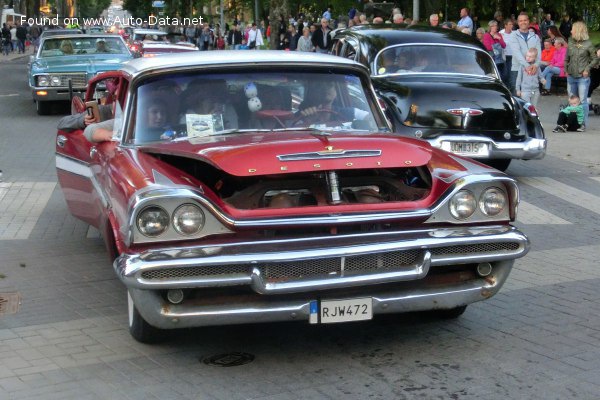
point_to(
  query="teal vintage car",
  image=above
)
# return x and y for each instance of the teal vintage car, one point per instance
(64, 64)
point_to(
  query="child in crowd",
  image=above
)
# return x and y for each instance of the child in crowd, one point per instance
(527, 86)
(570, 118)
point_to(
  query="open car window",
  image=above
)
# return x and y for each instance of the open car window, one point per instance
(439, 58)
(201, 105)
(89, 45)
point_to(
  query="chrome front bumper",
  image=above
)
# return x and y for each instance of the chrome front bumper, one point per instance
(146, 274)
(530, 149)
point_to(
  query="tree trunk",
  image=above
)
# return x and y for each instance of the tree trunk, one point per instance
(276, 8)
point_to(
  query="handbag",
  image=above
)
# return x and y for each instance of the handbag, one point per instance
(252, 44)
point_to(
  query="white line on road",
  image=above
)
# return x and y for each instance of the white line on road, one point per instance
(565, 192)
(533, 215)
(9, 95)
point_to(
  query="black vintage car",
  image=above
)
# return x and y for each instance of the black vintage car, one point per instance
(443, 86)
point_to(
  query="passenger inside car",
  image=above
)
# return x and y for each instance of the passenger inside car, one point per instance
(208, 97)
(66, 47)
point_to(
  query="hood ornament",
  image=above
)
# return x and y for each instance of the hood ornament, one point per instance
(329, 153)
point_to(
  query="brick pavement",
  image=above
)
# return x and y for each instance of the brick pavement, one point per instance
(537, 339)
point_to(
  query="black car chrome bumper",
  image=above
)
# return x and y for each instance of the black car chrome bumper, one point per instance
(530, 149)
(283, 277)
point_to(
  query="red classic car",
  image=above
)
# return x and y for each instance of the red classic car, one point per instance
(245, 187)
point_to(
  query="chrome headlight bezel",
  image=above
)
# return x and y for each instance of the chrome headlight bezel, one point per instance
(55, 80)
(191, 227)
(443, 212)
(462, 205)
(485, 201)
(171, 200)
(42, 80)
(143, 218)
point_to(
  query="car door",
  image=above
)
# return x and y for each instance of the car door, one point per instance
(79, 162)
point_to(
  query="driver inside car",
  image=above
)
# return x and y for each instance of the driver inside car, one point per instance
(321, 105)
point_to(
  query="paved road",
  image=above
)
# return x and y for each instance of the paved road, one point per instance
(538, 339)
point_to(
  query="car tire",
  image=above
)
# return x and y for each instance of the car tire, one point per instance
(451, 313)
(499, 164)
(141, 330)
(43, 107)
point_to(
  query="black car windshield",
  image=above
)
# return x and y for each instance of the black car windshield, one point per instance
(200, 105)
(82, 45)
(438, 58)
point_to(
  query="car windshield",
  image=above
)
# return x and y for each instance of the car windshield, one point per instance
(439, 58)
(193, 105)
(88, 45)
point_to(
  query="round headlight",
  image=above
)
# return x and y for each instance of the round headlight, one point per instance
(55, 80)
(43, 80)
(463, 204)
(188, 219)
(153, 221)
(492, 201)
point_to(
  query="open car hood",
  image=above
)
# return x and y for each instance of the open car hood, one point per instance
(253, 154)
(449, 103)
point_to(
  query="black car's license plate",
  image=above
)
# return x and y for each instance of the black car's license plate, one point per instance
(467, 147)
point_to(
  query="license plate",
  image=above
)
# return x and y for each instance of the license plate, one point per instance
(466, 147)
(333, 311)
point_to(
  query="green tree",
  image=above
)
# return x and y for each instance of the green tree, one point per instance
(91, 8)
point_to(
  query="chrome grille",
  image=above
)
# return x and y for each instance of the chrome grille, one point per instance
(78, 79)
(333, 266)
(394, 259)
(300, 269)
(475, 248)
(195, 272)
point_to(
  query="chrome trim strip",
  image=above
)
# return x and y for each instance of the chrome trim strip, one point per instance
(130, 267)
(319, 155)
(461, 179)
(83, 169)
(73, 166)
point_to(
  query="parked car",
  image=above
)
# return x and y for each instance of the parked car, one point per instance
(232, 194)
(442, 86)
(152, 42)
(62, 59)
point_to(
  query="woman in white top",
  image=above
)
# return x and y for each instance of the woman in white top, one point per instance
(255, 39)
(508, 29)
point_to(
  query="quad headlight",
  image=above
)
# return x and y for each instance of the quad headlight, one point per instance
(43, 80)
(463, 204)
(55, 80)
(492, 201)
(188, 219)
(152, 221)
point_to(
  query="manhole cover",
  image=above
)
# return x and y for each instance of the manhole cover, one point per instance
(229, 359)
(9, 303)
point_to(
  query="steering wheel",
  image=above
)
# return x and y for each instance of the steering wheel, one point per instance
(300, 119)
